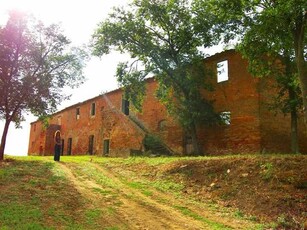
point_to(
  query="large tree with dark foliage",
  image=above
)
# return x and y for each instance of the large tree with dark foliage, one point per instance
(36, 64)
(161, 39)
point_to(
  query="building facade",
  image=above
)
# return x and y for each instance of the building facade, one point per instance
(106, 125)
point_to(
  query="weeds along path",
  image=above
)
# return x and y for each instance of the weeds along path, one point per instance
(99, 202)
(151, 213)
(125, 203)
(211, 216)
(119, 204)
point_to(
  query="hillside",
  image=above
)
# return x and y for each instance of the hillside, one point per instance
(266, 188)
(235, 192)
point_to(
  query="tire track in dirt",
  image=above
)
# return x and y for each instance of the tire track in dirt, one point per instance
(92, 200)
(148, 212)
(133, 213)
(201, 210)
(133, 209)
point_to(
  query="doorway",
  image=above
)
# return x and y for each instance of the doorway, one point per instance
(69, 145)
(91, 145)
(106, 147)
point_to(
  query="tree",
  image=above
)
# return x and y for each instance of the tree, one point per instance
(276, 64)
(35, 66)
(282, 22)
(271, 35)
(161, 39)
(269, 56)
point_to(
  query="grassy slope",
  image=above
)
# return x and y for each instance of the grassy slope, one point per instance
(267, 188)
(35, 194)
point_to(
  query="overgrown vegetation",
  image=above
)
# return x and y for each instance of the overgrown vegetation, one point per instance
(161, 40)
(154, 145)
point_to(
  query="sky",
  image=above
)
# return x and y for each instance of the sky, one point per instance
(78, 19)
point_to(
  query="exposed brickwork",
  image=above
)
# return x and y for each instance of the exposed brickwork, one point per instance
(253, 128)
(275, 128)
(239, 96)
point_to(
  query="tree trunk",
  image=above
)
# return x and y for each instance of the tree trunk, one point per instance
(294, 136)
(299, 34)
(195, 142)
(3, 139)
(302, 73)
(293, 106)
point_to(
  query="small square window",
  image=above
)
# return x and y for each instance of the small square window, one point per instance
(222, 71)
(225, 116)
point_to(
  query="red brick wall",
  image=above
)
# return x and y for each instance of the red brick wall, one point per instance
(275, 126)
(239, 96)
(253, 127)
(108, 123)
(37, 139)
(154, 112)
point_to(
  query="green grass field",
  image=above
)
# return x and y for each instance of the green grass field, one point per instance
(38, 193)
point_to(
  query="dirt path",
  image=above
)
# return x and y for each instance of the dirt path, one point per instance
(124, 205)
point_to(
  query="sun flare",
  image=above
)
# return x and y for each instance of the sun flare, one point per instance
(48, 11)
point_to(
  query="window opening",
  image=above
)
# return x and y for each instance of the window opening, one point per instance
(62, 150)
(188, 144)
(225, 116)
(222, 71)
(91, 145)
(106, 147)
(162, 125)
(125, 106)
(77, 113)
(59, 120)
(69, 145)
(93, 109)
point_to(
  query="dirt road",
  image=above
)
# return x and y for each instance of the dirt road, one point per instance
(126, 201)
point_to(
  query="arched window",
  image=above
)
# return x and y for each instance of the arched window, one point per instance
(162, 125)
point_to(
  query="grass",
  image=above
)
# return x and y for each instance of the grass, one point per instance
(17, 214)
(36, 193)
(266, 170)
(28, 191)
(90, 172)
(211, 224)
(92, 216)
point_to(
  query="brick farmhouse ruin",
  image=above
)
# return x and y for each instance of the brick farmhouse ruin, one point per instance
(106, 125)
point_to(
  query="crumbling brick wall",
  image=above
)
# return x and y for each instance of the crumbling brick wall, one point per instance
(252, 128)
